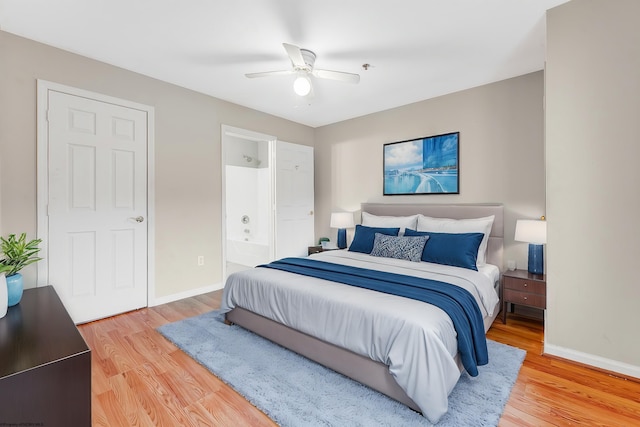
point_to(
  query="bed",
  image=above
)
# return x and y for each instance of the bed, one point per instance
(413, 356)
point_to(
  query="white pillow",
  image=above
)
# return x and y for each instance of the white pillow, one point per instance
(448, 225)
(370, 220)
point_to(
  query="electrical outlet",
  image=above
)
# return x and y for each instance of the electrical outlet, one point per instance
(200, 260)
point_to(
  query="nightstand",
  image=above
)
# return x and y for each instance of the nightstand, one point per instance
(523, 288)
(316, 249)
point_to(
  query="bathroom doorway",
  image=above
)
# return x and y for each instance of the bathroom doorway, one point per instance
(267, 199)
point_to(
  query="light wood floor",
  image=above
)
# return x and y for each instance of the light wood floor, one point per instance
(140, 379)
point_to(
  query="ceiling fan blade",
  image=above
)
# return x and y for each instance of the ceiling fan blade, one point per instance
(269, 73)
(295, 55)
(336, 75)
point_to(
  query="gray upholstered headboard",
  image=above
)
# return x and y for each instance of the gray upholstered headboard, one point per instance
(495, 247)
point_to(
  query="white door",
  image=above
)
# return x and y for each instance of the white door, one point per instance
(294, 199)
(97, 205)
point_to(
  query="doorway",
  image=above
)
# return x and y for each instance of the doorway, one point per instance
(93, 204)
(267, 199)
(247, 195)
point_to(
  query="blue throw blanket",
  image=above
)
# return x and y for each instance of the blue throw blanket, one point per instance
(457, 302)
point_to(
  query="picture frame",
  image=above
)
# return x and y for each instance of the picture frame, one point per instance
(427, 165)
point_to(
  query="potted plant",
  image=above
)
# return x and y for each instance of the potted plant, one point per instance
(17, 253)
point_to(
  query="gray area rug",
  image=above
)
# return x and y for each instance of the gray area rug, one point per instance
(294, 391)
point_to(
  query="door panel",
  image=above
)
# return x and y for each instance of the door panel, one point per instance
(82, 263)
(97, 249)
(294, 199)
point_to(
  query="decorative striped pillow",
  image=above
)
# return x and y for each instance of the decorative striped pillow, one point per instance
(400, 247)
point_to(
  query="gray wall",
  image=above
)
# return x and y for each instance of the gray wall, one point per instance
(187, 154)
(501, 153)
(592, 155)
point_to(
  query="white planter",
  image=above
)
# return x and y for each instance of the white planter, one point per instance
(4, 298)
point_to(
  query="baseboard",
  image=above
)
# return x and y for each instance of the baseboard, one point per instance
(613, 366)
(185, 294)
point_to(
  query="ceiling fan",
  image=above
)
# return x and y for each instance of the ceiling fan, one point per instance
(303, 61)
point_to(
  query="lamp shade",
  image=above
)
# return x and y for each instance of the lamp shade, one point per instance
(342, 220)
(531, 231)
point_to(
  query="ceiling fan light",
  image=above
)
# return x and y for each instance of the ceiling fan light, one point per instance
(302, 86)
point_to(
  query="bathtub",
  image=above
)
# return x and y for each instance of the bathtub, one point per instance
(247, 250)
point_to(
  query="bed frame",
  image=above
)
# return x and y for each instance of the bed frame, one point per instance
(362, 369)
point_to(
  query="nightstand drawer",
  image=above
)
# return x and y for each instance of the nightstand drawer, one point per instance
(525, 285)
(525, 298)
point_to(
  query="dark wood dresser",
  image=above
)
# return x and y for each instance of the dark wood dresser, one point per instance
(523, 288)
(45, 364)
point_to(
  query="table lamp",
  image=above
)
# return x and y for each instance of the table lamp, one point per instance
(342, 221)
(533, 232)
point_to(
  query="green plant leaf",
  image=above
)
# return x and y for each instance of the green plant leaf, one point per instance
(18, 253)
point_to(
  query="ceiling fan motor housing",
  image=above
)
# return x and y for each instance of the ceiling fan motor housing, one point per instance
(309, 59)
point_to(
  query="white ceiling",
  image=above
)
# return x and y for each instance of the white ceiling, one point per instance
(418, 49)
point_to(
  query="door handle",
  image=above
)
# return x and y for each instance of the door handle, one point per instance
(137, 218)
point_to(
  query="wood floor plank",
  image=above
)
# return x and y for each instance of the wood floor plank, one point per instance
(129, 349)
(98, 416)
(112, 409)
(583, 399)
(128, 398)
(150, 317)
(140, 378)
(186, 389)
(150, 345)
(171, 312)
(513, 417)
(160, 404)
(230, 409)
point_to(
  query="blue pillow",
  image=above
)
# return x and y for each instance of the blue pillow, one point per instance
(364, 237)
(456, 249)
(400, 247)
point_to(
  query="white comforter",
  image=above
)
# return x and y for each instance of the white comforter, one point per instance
(416, 340)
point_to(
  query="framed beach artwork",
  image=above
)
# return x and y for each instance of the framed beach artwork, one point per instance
(426, 165)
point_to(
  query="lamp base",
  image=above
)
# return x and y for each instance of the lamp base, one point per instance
(536, 263)
(342, 238)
